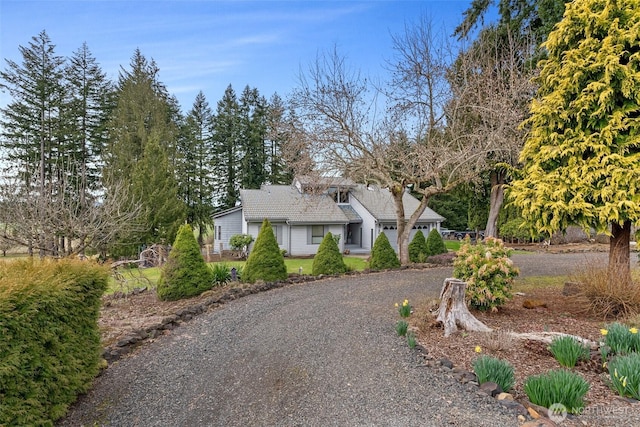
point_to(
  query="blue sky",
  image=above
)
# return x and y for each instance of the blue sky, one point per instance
(208, 44)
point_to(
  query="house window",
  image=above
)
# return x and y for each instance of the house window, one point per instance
(277, 232)
(219, 232)
(340, 195)
(317, 234)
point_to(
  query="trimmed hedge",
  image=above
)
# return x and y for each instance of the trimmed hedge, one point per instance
(328, 259)
(382, 255)
(50, 348)
(185, 274)
(265, 261)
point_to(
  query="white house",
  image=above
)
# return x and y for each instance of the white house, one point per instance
(302, 213)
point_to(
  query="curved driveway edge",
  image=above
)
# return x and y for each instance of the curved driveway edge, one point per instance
(319, 354)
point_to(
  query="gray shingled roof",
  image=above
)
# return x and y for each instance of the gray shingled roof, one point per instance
(379, 202)
(285, 203)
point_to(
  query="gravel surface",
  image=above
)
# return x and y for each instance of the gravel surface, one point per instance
(318, 354)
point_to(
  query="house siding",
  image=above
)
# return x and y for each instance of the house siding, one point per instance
(300, 245)
(224, 227)
(368, 223)
(281, 235)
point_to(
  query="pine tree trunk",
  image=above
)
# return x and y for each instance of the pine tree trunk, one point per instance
(453, 311)
(619, 252)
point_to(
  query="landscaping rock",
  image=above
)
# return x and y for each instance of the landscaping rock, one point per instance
(446, 363)
(516, 407)
(491, 388)
(534, 303)
(504, 396)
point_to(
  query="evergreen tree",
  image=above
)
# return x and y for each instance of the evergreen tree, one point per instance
(581, 155)
(143, 110)
(196, 159)
(382, 255)
(226, 140)
(253, 130)
(418, 248)
(185, 274)
(278, 135)
(328, 259)
(32, 131)
(89, 96)
(265, 261)
(144, 114)
(434, 244)
(33, 137)
(155, 185)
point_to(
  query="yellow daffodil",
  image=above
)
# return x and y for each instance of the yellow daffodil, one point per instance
(633, 330)
(405, 303)
(624, 381)
(615, 372)
(604, 331)
(604, 365)
(478, 349)
(396, 305)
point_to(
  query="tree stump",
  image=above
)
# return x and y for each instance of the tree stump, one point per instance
(453, 311)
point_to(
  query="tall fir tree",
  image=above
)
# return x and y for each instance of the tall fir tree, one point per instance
(155, 185)
(226, 139)
(144, 113)
(196, 157)
(33, 136)
(32, 128)
(253, 132)
(89, 102)
(278, 134)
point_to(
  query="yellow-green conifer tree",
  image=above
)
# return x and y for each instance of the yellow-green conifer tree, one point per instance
(581, 160)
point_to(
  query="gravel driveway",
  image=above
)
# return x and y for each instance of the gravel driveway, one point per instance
(323, 353)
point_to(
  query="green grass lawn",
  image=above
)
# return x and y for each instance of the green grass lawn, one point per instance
(452, 245)
(137, 278)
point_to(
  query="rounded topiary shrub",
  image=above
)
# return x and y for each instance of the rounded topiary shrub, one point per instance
(185, 274)
(435, 244)
(418, 248)
(382, 255)
(328, 259)
(265, 261)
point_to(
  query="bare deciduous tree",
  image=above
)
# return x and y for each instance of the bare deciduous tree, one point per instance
(55, 224)
(413, 145)
(492, 87)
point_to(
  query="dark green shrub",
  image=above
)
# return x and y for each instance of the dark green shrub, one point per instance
(328, 259)
(418, 248)
(50, 347)
(185, 274)
(435, 244)
(265, 261)
(382, 255)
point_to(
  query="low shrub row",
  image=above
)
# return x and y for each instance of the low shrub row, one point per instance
(50, 348)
